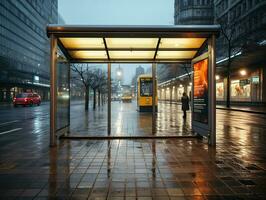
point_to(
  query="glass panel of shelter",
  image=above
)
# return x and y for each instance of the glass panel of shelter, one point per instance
(63, 93)
(172, 93)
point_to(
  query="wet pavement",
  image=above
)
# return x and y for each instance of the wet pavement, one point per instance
(131, 169)
(127, 121)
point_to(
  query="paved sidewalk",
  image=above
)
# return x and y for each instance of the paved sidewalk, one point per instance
(173, 169)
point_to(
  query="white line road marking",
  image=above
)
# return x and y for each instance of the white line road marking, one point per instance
(13, 130)
(10, 122)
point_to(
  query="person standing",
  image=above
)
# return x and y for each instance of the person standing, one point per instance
(185, 104)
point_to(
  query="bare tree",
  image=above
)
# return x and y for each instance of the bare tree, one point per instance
(86, 77)
(98, 82)
(228, 31)
(91, 78)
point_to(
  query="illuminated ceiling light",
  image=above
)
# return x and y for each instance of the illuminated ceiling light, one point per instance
(243, 72)
(190, 83)
(131, 43)
(88, 54)
(180, 85)
(83, 43)
(131, 54)
(175, 54)
(181, 42)
(217, 77)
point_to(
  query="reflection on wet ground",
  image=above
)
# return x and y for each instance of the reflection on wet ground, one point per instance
(127, 121)
(136, 169)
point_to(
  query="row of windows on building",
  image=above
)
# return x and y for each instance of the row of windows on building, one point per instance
(196, 13)
(246, 25)
(11, 40)
(237, 8)
(40, 6)
(14, 15)
(12, 50)
(10, 66)
(10, 23)
(195, 2)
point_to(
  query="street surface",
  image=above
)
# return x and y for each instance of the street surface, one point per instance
(158, 169)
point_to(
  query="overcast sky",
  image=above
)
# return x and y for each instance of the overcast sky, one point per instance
(118, 12)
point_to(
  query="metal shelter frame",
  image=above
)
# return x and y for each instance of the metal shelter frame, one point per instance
(57, 34)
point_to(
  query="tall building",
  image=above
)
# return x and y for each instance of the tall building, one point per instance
(139, 71)
(24, 46)
(244, 21)
(194, 12)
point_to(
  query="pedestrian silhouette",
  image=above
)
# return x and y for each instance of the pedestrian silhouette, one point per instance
(185, 104)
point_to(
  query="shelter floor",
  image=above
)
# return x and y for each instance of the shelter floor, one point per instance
(127, 121)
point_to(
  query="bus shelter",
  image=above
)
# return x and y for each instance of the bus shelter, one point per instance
(134, 44)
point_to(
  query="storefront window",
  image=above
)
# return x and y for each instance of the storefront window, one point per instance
(240, 88)
(180, 91)
(189, 91)
(220, 90)
(167, 94)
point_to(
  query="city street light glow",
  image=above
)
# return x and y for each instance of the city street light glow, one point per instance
(243, 72)
(217, 77)
(119, 73)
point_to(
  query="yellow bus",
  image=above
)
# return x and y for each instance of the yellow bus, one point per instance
(144, 95)
(126, 94)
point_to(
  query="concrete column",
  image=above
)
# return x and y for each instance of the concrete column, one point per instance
(263, 85)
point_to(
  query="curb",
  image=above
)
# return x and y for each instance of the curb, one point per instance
(240, 110)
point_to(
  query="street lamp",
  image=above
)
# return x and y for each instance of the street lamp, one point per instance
(243, 72)
(119, 73)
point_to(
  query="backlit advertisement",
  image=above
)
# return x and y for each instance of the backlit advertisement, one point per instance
(200, 95)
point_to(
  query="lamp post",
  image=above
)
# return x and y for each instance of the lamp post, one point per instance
(119, 78)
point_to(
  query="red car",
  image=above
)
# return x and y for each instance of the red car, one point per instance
(27, 99)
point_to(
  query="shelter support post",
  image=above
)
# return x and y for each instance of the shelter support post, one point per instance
(109, 98)
(154, 98)
(69, 94)
(53, 90)
(211, 48)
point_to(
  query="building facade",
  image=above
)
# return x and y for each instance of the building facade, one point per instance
(194, 12)
(244, 21)
(24, 46)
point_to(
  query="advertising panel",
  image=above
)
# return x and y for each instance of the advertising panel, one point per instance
(200, 95)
